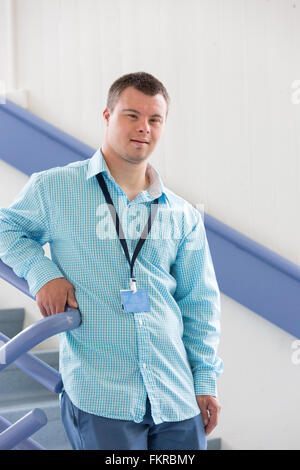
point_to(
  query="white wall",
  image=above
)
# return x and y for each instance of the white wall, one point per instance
(228, 66)
(259, 388)
(231, 143)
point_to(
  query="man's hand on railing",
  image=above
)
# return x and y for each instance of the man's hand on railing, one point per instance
(54, 295)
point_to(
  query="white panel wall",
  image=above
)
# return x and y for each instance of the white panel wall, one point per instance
(259, 388)
(231, 143)
(228, 66)
(5, 45)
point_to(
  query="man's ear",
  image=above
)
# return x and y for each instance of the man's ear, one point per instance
(106, 115)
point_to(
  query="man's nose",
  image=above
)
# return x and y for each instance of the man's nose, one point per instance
(144, 127)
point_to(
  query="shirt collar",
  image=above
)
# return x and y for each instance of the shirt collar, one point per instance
(97, 164)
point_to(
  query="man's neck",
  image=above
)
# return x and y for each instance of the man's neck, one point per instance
(130, 176)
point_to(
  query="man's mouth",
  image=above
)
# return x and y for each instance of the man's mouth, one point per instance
(139, 141)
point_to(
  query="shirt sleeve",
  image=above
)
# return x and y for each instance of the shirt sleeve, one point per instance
(24, 229)
(198, 297)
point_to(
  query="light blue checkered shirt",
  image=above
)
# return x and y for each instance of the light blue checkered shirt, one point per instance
(114, 359)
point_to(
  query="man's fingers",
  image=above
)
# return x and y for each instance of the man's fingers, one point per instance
(72, 302)
(48, 309)
(54, 296)
(212, 423)
(43, 311)
(213, 410)
(205, 415)
(210, 409)
(59, 308)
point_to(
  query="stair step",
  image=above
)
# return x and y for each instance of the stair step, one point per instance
(11, 321)
(214, 444)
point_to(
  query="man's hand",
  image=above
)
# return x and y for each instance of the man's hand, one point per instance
(54, 295)
(210, 409)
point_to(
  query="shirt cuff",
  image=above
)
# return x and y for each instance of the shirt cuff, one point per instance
(205, 383)
(42, 273)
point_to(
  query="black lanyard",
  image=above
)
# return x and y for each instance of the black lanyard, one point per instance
(118, 226)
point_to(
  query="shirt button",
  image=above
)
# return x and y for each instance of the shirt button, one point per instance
(144, 365)
(141, 322)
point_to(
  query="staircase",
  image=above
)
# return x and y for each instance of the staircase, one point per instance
(19, 393)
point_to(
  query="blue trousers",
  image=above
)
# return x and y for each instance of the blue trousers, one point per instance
(86, 431)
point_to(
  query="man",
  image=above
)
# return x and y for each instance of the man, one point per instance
(140, 372)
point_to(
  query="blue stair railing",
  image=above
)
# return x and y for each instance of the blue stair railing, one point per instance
(15, 350)
(22, 429)
(37, 369)
(26, 444)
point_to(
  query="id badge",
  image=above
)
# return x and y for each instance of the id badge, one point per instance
(134, 302)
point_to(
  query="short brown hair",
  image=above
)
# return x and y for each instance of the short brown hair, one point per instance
(142, 81)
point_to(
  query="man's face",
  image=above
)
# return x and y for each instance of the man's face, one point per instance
(136, 117)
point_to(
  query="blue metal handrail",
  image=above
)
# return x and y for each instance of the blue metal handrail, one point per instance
(37, 369)
(15, 350)
(36, 333)
(22, 429)
(26, 444)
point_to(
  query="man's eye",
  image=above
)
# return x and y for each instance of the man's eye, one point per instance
(134, 116)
